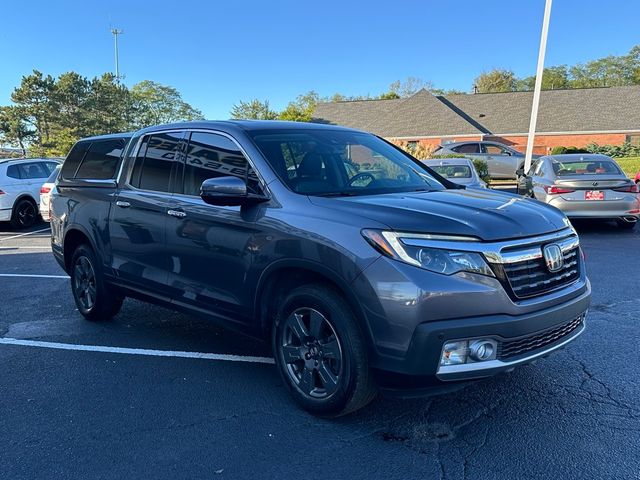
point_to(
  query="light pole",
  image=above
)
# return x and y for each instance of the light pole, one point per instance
(538, 85)
(115, 33)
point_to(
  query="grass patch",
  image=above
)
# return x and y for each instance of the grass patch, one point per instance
(630, 165)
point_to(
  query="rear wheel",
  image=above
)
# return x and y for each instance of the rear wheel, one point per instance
(320, 352)
(94, 298)
(25, 213)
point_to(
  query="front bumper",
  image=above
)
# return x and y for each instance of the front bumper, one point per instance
(422, 360)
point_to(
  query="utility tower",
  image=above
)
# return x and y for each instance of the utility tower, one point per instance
(115, 32)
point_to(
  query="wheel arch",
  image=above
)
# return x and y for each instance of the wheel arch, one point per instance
(285, 275)
(73, 237)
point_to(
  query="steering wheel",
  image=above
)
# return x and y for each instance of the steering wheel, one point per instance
(360, 176)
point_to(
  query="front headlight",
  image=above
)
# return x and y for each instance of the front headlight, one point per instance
(438, 260)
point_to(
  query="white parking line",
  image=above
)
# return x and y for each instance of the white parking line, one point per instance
(23, 234)
(28, 275)
(135, 351)
(46, 248)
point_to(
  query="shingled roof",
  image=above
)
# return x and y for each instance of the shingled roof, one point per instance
(423, 114)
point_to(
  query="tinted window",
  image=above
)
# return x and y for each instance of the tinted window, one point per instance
(102, 159)
(32, 170)
(155, 160)
(210, 155)
(585, 167)
(467, 148)
(13, 172)
(73, 159)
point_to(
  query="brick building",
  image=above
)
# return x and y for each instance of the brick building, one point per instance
(575, 117)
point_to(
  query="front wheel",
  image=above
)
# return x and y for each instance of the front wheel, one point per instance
(93, 297)
(320, 352)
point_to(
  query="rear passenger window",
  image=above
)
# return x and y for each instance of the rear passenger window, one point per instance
(73, 160)
(102, 159)
(32, 170)
(210, 155)
(467, 148)
(155, 161)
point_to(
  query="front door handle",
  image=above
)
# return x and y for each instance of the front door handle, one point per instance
(122, 204)
(176, 213)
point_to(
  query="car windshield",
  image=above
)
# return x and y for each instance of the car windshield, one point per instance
(453, 171)
(341, 163)
(585, 167)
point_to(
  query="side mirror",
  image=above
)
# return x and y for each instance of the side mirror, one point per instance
(226, 191)
(520, 172)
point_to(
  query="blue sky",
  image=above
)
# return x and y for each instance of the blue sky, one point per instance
(216, 53)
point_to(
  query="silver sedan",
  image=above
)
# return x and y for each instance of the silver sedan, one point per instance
(458, 170)
(583, 186)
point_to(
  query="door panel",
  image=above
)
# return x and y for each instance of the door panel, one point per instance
(209, 246)
(139, 215)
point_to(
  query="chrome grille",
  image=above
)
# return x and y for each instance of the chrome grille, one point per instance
(515, 348)
(531, 277)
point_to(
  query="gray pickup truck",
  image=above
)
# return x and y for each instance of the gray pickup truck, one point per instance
(396, 280)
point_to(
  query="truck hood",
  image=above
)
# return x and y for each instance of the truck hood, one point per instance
(486, 214)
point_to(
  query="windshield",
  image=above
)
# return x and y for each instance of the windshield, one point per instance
(340, 163)
(585, 167)
(453, 171)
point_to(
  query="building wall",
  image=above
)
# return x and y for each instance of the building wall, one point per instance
(544, 143)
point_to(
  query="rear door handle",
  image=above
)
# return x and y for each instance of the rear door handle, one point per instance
(122, 204)
(176, 213)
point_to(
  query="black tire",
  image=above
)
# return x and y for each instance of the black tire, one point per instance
(626, 225)
(25, 213)
(95, 300)
(332, 350)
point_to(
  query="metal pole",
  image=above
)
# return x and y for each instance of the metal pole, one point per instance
(538, 85)
(115, 33)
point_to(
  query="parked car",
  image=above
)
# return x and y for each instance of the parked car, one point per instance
(393, 281)
(45, 193)
(458, 170)
(20, 182)
(583, 186)
(637, 179)
(502, 160)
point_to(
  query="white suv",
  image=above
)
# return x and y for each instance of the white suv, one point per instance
(20, 182)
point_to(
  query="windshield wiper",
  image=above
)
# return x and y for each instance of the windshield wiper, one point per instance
(336, 194)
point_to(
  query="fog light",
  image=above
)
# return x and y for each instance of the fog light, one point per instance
(454, 353)
(482, 350)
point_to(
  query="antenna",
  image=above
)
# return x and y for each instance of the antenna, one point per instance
(115, 32)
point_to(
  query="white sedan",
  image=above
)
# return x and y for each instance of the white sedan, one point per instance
(45, 193)
(457, 170)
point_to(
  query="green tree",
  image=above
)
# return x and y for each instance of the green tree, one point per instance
(153, 103)
(495, 81)
(253, 110)
(14, 129)
(301, 109)
(552, 78)
(33, 97)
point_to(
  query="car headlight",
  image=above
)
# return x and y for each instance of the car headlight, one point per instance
(438, 260)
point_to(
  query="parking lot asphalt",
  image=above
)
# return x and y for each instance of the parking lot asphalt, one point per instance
(94, 414)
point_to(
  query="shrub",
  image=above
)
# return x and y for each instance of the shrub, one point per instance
(558, 150)
(483, 170)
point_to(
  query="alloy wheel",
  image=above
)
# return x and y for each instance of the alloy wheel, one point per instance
(26, 214)
(312, 353)
(84, 282)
